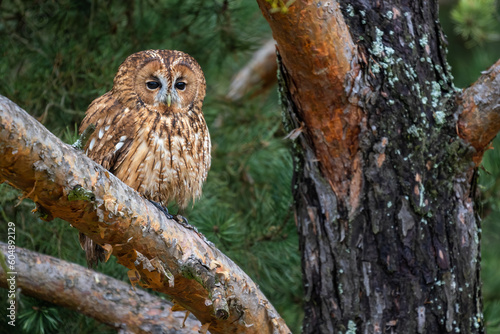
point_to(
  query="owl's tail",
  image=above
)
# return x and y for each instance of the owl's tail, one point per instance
(93, 251)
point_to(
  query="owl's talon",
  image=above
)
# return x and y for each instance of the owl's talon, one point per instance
(162, 209)
(182, 220)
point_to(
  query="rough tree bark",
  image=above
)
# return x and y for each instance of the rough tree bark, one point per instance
(96, 295)
(385, 150)
(160, 253)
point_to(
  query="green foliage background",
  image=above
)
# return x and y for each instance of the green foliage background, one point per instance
(57, 56)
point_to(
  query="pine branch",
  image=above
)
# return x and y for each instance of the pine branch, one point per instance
(479, 120)
(101, 297)
(161, 254)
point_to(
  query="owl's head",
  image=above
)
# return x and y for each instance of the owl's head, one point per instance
(164, 80)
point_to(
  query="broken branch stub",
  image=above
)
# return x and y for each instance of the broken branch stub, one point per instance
(479, 111)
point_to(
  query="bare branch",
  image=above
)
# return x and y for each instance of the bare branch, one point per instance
(479, 120)
(101, 297)
(258, 75)
(161, 254)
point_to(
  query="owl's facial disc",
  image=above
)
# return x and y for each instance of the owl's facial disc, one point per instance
(168, 87)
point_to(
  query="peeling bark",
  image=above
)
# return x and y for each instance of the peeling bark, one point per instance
(161, 254)
(383, 185)
(479, 120)
(101, 297)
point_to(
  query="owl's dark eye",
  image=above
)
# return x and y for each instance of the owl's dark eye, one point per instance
(180, 85)
(153, 85)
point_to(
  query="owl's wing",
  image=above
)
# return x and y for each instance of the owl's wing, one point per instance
(112, 138)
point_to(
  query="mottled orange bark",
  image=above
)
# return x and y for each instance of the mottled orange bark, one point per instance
(479, 120)
(321, 60)
(160, 253)
(96, 295)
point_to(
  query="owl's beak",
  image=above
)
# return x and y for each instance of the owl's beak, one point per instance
(169, 100)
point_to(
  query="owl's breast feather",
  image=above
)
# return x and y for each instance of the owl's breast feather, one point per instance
(168, 161)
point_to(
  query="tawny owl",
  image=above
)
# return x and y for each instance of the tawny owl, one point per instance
(150, 130)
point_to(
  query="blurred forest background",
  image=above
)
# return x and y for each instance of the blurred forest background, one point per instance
(57, 56)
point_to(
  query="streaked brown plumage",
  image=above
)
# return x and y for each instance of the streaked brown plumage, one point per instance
(150, 130)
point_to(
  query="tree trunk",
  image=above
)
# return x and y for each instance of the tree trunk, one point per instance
(384, 185)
